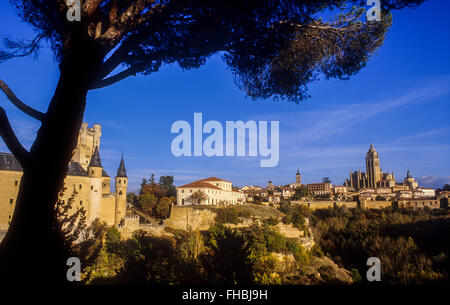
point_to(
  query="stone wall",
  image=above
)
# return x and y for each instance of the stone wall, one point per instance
(313, 204)
(369, 204)
(188, 218)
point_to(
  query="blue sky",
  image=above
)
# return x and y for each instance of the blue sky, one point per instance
(399, 102)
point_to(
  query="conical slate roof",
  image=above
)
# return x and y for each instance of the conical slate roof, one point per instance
(122, 171)
(95, 159)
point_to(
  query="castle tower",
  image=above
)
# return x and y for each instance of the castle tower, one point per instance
(95, 173)
(298, 178)
(88, 139)
(372, 168)
(95, 169)
(121, 194)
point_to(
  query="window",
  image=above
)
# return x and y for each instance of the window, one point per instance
(104, 184)
(11, 201)
(80, 186)
(92, 187)
(92, 172)
(182, 191)
(16, 183)
(120, 181)
(81, 202)
(120, 192)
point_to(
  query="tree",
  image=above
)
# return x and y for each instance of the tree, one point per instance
(132, 199)
(163, 207)
(198, 197)
(301, 192)
(326, 180)
(71, 223)
(147, 203)
(274, 48)
(143, 185)
(166, 183)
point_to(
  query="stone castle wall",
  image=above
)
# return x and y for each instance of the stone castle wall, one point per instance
(326, 204)
(187, 218)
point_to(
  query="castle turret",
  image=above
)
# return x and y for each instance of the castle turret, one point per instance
(95, 167)
(121, 193)
(95, 172)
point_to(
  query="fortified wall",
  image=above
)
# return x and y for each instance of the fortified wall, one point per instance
(314, 205)
(187, 218)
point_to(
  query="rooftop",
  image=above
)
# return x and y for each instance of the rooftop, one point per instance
(200, 184)
(9, 163)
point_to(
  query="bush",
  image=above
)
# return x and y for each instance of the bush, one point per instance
(227, 215)
(316, 251)
(272, 221)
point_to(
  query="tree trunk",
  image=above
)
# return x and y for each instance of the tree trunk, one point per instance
(33, 247)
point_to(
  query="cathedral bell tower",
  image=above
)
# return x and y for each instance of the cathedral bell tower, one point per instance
(298, 178)
(373, 168)
(121, 194)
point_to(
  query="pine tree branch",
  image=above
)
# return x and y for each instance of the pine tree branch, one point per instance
(19, 104)
(11, 141)
(115, 78)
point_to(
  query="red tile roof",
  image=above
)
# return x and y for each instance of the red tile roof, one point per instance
(200, 184)
(214, 179)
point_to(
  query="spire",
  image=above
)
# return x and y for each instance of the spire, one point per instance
(371, 147)
(408, 174)
(298, 171)
(122, 172)
(95, 159)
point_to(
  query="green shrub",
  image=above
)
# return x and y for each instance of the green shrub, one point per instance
(316, 251)
(272, 221)
(227, 215)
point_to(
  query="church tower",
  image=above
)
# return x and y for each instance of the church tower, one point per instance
(270, 185)
(298, 178)
(372, 168)
(121, 194)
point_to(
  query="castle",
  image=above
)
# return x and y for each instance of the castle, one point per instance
(86, 182)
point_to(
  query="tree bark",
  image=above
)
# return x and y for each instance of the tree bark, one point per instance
(33, 248)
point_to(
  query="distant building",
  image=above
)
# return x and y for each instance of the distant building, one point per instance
(217, 191)
(270, 185)
(320, 188)
(409, 181)
(340, 189)
(373, 177)
(419, 203)
(298, 180)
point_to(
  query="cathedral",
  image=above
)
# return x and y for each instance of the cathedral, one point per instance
(86, 183)
(373, 177)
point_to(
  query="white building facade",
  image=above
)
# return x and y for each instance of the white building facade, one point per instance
(217, 192)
